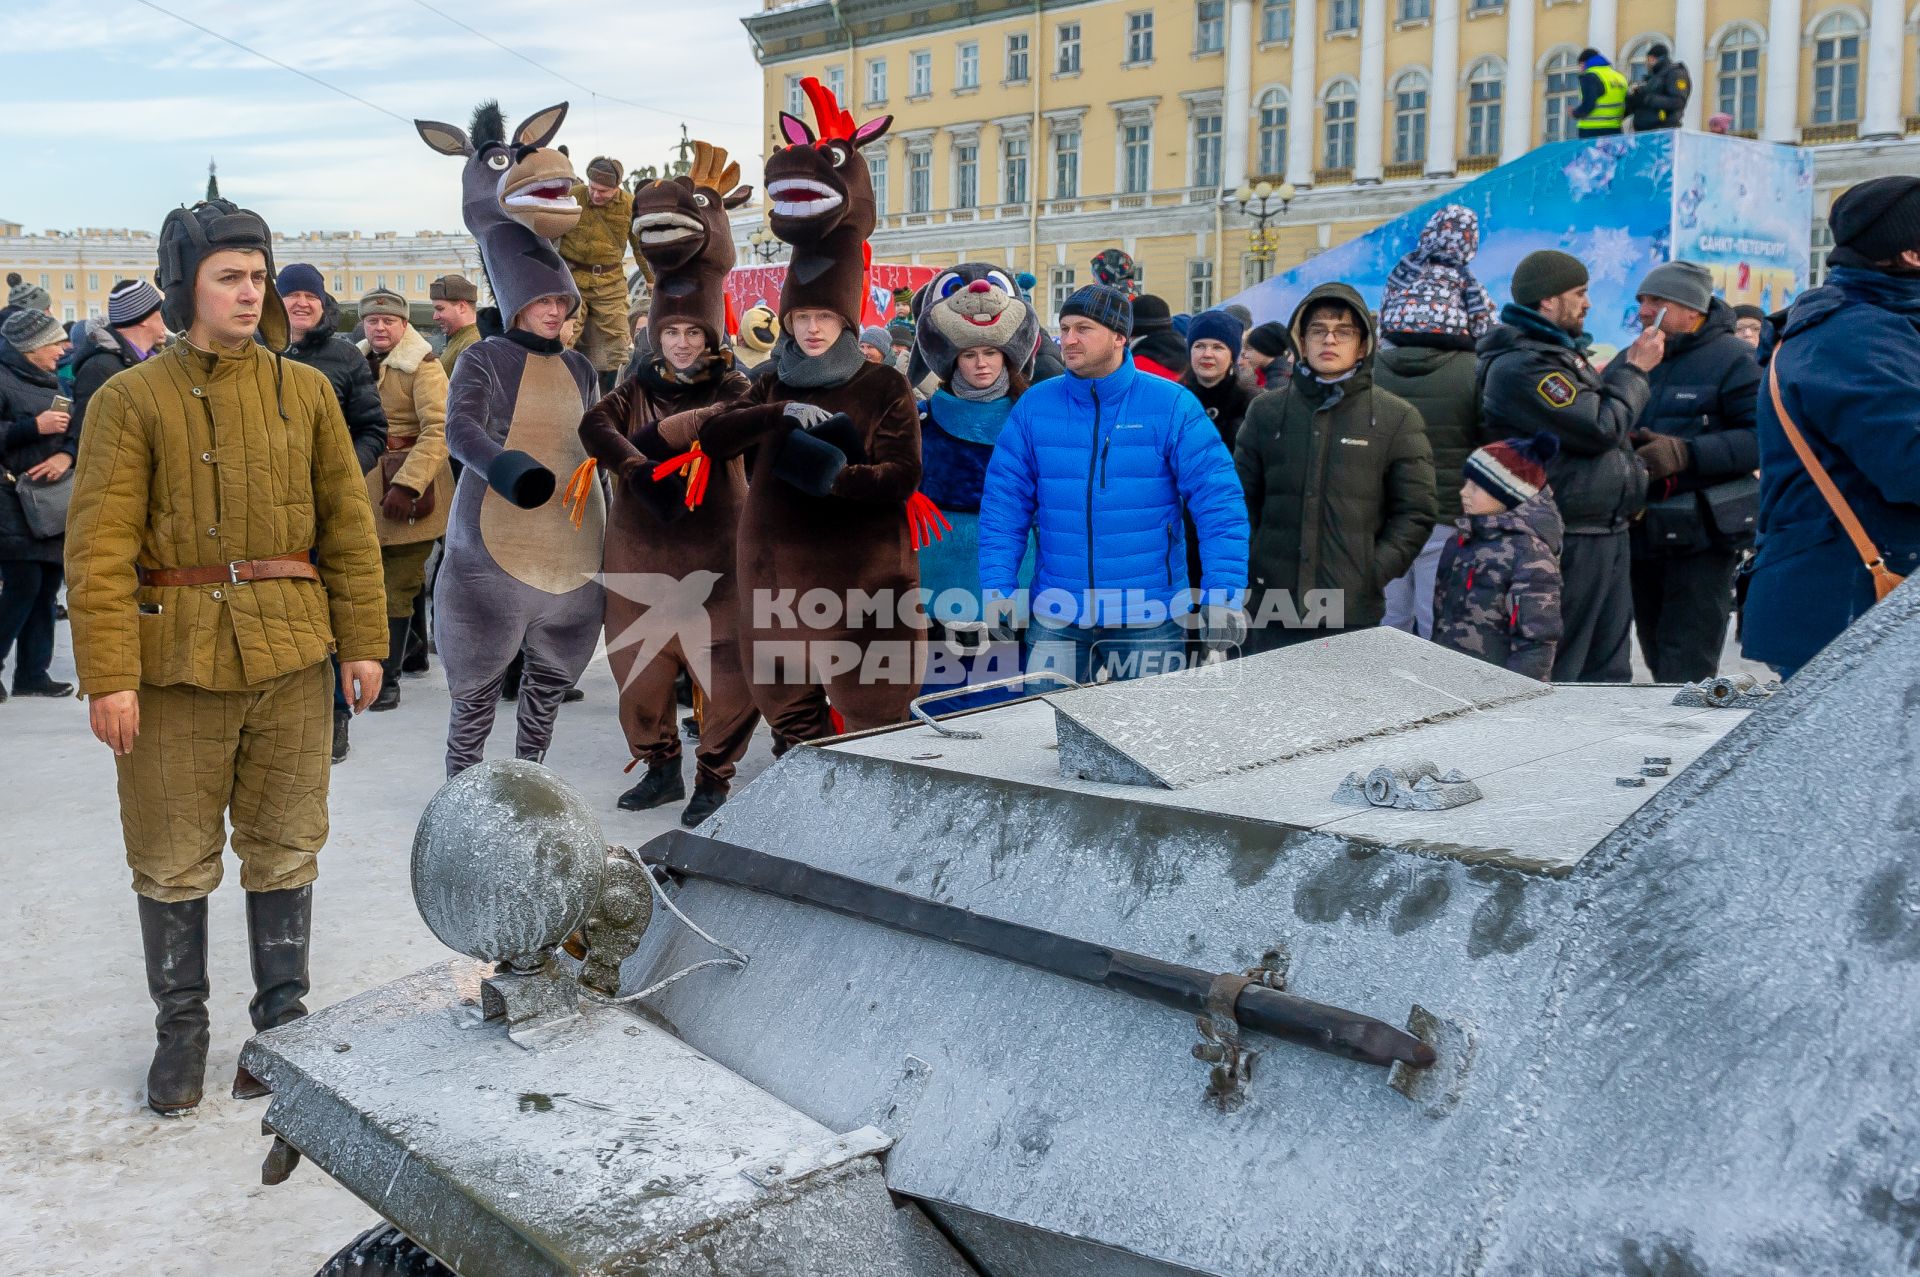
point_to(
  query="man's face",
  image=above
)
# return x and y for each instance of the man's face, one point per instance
(150, 333)
(383, 331)
(1089, 349)
(1567, 311)
(815, 329)
(1334, 340)
(681, 344)
(1211, 361)
(1678, 320)
(229, 291)
(1747, 330)
(1253, 361)
(601, 194)
(451, 317)
(543, 317)
(303, 312)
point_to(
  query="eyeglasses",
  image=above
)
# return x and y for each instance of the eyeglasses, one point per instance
(1324, 332)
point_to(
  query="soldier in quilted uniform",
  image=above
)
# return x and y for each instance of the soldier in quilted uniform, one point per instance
(1497, 591)
(220, 547)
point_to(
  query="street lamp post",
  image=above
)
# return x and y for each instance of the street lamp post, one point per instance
(1263, 202)
(766, 245)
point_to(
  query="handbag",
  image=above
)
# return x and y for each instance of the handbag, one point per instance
(390, 463)
(44, 505)
(1884, 578)
(1733, 508)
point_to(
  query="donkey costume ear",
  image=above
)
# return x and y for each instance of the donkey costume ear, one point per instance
(737, 197)
(795, 130)
(872, 130)
(444, 138)
(541, 126)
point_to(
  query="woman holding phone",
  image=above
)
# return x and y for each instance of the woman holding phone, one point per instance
(37, 446)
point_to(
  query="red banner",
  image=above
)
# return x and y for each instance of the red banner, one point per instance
(749, 286)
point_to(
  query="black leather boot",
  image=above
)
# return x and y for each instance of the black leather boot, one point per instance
(279, 927)
(342, 722)
(174, 937)
(706, 800)
(662, 784)
(415, 661)
(389, 697)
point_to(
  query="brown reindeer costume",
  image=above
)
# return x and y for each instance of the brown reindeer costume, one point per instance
(662, 557)
(826, 510)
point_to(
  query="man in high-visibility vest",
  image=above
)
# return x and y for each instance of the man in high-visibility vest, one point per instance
(1603, 96)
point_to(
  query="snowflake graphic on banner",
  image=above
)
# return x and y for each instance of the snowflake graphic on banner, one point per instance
(1609, 253)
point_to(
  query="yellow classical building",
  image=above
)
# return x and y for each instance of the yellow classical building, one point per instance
(1038, 132)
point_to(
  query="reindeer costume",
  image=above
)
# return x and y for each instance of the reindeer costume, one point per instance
(828, 508)
(519, 574)
(663, 555)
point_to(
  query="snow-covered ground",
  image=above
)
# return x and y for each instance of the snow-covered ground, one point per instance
(96, 1183)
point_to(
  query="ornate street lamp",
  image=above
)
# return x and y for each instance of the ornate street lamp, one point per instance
(766, 245)
(1263, 202)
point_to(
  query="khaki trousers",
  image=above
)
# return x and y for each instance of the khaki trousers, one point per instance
(405, 567)
(605, 336)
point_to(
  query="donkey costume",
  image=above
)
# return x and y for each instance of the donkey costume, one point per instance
(519, 574)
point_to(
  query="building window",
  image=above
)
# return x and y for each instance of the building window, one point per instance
(1136, 158)
(1059, 286)
(837, 83)
(1206, 150)
(46, 281)
(1561, 96)
(796, 98)
(1013, 170)
(1410, 118)
(1486, 6)
(93, 283)
(1272, 140)
(1199, 286)
(1739, 87)
(876, 80)
(967, 66)
(1017, 58)
(68, 312)
(360, 285)
(1415, 10)
(919, 181)
(1276, 21)
(919, 73)
(1483, 107)
(1836, 69)
(966, 174)
(1066, 164)
(1342, 101)
(1209, 26)
(419, 284)
(1255, 268)
(1634, 65)
(1343, 16)
(339, 284)
(69, 281)
(1066, 49)
(1139, 38)
(877, 174)
(1820, 245)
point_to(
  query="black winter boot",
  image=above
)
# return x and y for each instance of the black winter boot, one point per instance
(279, 929)
(415, 661)
(661, 785)
(389, 697)
(706, 800)
(342, 720)
(174, 937)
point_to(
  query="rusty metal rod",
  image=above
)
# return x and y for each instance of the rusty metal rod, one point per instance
(1184, 988)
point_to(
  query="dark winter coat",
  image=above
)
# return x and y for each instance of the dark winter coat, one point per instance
(104, 353)
(1442, 387)
(1705, 391)
(1657, 101)
(1162, 352)
(25, 393)
(1534, 377)
(1496, 594)
(1225, 403)
(1849, 368)
(1338, 480)
(325, 349)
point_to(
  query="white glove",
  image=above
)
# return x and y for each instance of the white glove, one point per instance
(806, 415)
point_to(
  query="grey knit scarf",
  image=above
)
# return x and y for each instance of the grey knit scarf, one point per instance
(981, 394)
(834, 366)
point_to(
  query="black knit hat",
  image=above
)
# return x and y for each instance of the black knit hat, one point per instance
(1270, 339)
(1104, 305)
(1512, 470)
(1875, 221)
(1546, 273)
(1151, 314)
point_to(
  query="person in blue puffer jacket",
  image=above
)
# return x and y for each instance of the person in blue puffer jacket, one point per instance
(1848, 363)
(1101, 464)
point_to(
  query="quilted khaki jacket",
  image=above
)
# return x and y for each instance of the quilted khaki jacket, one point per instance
(413, 394)
(601, 236)
(194, 459)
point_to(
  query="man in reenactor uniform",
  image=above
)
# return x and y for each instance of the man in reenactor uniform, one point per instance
(454, 298)
(220, 547)
(595, 251)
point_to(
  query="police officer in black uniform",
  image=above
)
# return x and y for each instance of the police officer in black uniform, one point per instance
(1534, 376)
(1658, 101)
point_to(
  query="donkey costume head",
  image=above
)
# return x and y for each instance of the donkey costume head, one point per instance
(516, 198)
(821, 199)
(681, 226)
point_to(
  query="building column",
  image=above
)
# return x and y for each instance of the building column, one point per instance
(1780, 114)
(1443, 94)
(1516, 110)
(1883, 117)
(1238, 105)
(1303, 108)
(1690, 51)
(1603, 25)
(1370, 122)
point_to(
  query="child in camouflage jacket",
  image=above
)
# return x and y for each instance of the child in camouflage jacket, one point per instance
(1497, 593)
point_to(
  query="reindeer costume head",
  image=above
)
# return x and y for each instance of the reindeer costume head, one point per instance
(516, 199)
(681, 227)
(821, 199)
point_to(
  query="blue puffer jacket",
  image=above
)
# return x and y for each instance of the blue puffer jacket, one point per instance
(1102, 470)
(1849, 367)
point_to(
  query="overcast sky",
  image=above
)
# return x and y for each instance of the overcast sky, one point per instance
(117, 108)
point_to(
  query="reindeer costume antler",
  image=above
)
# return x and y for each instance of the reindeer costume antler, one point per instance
(680, 227)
